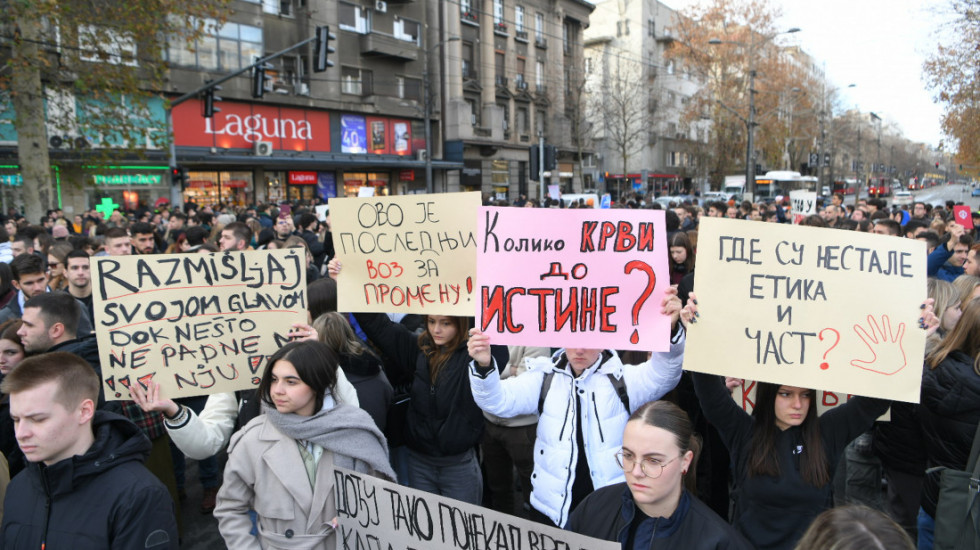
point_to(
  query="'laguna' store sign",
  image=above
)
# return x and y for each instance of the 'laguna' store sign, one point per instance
(240, 125)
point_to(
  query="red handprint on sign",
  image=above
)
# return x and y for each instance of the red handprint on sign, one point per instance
(887, 351)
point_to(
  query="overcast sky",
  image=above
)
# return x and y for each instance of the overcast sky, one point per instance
(878, 45)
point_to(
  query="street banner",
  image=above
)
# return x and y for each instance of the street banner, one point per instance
(804, 204)
(373, 513)
(196, 324)
(583, 278)
(809, 307)
(407, 253)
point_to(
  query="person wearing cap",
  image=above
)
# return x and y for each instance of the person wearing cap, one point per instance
(60, 232)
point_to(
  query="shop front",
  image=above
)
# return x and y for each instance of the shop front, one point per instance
(471, 177)
(219, 187)
(366, 184)
(302, 186)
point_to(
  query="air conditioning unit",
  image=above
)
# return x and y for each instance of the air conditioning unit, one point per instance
(262, 148)
(302, 89)
(421, 154)
(380, 6)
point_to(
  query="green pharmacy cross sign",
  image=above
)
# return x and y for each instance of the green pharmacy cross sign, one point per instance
(107, 207)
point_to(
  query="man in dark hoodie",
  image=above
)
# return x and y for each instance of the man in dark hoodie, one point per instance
(85, 486)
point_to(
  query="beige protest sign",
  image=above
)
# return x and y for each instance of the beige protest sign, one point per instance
(811, 307)
(196, 324)
(373, 513)
(406, 254)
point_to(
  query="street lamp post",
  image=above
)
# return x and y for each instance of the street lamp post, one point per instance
(749, 193)
(429, 185)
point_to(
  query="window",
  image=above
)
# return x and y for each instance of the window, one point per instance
(541, 121)
(539, 74)
(468, 67)
(506, 121)
(408, 88)
(464, 6)
(499, 66)
(474, 113)
(522, 120)
(671, 99)
(671, 129)
(278, 7)
(500, 173)
(407, 30)
(498, 12)
(355, 81)
(670, 67)
(539, 27)
(229, 47)
(104, 45)
(519, 18)
(651, 28)
(588, 65)
(354, 18)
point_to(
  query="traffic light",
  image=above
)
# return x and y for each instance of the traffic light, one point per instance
(550, 157)
(534, 162)
(322, 49)
(937, 165)
(259, 78)
(178, 175)
(209, 99)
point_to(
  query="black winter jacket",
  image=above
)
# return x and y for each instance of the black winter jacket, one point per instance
(608, 514)
(103, 499)
(443, 419)
(374, 392)
(949, 410)
(774, 512)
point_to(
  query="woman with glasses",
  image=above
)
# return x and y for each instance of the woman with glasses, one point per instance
(784, 454)
(656, 506)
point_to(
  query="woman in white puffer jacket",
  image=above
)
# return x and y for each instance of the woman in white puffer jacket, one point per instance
(582, 411)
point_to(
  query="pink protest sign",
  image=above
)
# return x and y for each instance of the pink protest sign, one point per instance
(588, 278)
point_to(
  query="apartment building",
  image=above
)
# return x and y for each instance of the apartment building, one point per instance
(650, 146)
(511, 69)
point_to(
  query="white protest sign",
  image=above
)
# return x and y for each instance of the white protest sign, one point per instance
(373, 513)
(811, 307)
(196, 324)
(804, 202)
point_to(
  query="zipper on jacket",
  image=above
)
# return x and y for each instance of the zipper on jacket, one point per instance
(653, 536)
(598, 423)
(564, 423)
(47, 510)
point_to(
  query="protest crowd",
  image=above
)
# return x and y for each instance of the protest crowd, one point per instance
(625, 446)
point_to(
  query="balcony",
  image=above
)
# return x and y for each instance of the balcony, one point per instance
(500, 28)
(520, 83)
(520, 36)
(470, 17)
(501, 81)
(541, 89)
(381, 45)
(541, 42)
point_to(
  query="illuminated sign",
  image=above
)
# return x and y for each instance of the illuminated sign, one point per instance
(127, 179)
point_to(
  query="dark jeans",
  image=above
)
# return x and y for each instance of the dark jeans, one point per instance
(208, 470)
(927, 530)
(504, 449)
(904, 495)
(456, 476)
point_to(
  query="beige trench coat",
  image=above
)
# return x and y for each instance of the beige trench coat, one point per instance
(265, 473)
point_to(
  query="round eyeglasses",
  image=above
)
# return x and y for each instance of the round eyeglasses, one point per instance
(650, 467)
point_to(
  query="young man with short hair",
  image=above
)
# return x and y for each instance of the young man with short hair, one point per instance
(29, 278)
(235, 237)
(117, 242)
(78, 271)
(86, 486)
(143, 238)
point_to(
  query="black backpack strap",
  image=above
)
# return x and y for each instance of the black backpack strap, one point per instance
(545, 386)
(620, 385)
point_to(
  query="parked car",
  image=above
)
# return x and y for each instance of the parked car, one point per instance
(976, 192)
(902, 198)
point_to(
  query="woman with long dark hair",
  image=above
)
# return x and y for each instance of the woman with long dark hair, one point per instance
(681, 257)
(949, 409)
(784, 454)
(656, 506)
(443, 424)
(281, 463)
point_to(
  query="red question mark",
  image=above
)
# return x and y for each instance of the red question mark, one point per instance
(825, 365)
(651, 284)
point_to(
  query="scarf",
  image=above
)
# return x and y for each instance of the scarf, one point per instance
(344, 429)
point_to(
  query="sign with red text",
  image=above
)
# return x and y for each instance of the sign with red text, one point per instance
(196, 324)
(302, 178)
(406, 253)
(584, 278)
(240, 125)
(376, 514)
(744, 395)
(817, 308)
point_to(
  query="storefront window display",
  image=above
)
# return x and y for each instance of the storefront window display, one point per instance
(212, 188)
(354, 181)
(501, 179)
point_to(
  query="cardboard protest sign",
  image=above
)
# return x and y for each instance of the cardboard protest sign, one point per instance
(744, 395)
(810, 307)
(584, 278)
(196, 324)
(373, 513)
(804, 204)
(406, 254)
